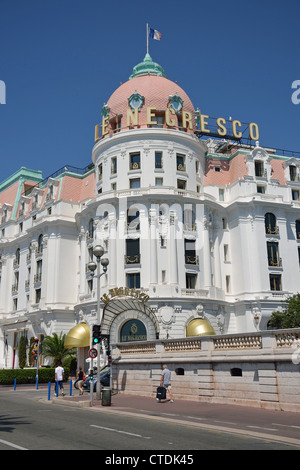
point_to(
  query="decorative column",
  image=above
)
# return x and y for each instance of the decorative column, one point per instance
(112, 250)
(206, 251)
(82, 240)
(173, 250)
(153, 247)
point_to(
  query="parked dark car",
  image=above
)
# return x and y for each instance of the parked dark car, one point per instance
(104, 379)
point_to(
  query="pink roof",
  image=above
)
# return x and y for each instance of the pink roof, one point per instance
(156, 91)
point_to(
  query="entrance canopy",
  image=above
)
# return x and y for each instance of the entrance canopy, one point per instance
(120, 304)
(78, 337)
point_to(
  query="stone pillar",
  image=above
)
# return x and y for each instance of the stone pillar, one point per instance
(153, 247)
(173, 250)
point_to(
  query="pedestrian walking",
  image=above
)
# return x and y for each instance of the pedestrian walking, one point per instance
(165, 381)
(81, 379)
(59, 378)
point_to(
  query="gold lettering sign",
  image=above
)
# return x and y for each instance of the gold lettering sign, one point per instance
(132, 120)
(124, 291)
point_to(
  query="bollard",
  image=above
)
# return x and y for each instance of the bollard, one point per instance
(37, 383)
(15, 384)
(49, 390)
(56, 389)
(106, 397)
(71, 387)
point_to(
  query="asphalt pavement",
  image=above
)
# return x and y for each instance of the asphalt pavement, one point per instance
(250, 421)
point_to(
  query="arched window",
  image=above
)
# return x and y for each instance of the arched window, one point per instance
(133, 330)
(298, 229)
(271, 224)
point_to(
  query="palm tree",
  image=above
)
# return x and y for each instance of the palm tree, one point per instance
(54, 346)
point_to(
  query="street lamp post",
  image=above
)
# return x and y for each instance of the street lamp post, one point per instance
(98, 252)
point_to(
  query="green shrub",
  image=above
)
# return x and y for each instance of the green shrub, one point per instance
(28, 376)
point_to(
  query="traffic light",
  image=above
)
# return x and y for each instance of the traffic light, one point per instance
(96, 334)
(91, 374)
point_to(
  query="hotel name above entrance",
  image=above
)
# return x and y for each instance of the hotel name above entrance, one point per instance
(154, 119)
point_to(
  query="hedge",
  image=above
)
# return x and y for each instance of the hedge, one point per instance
(28, 376)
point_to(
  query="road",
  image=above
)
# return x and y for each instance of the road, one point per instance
(27, 423)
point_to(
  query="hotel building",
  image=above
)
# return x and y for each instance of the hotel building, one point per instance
(201, 229)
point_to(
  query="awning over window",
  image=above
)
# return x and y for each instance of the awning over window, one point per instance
(78, 337)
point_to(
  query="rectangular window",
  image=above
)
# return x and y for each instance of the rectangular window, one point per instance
(275, 282)
(158, 160)
(132, 251)
(135, 161)
(135, 183)
(273, 254)
(226, 253)
(260, 189)
(190, 252)
(191, 281)
(221, 194)
(259, 168)
(180, 161)
(181, 184)
(293, 173)
(100, 174)
(295, 194)
(38, 296)
(159, 181)
(133, 280)
(114, 165)
(228, 286)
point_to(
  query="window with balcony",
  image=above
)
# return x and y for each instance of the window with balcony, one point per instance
(180, 162)
(273, 254)
(190, 252)
(132, 251)
(135, 161)
(271, 227)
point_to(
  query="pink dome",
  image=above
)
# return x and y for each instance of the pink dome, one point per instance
(155, 91)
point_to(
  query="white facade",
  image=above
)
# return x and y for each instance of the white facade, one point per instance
(178, 220)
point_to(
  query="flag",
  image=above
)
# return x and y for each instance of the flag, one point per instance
(154, 34)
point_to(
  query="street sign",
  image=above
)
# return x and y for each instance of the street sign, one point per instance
(93, 353)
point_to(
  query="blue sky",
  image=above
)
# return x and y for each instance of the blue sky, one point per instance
(62, 59)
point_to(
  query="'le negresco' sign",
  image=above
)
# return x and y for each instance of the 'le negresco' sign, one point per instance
(132, 120)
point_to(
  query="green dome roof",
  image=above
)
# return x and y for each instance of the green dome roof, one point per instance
(147, 67)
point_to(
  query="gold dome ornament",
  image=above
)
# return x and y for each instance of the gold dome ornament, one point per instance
(78, 337)
(199, 327)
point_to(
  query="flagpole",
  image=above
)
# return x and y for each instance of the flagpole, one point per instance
(147, 40)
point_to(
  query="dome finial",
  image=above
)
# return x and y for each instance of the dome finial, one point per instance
(147, 67)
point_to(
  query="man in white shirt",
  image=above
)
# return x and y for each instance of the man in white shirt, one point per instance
(59, 378)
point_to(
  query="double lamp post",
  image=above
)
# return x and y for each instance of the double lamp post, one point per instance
(98, 252)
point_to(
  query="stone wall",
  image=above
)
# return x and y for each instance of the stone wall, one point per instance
(260, 369)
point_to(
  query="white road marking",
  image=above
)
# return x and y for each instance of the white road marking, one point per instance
(263, 429)
(10, 444)
(121, 432)
(287, 425)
